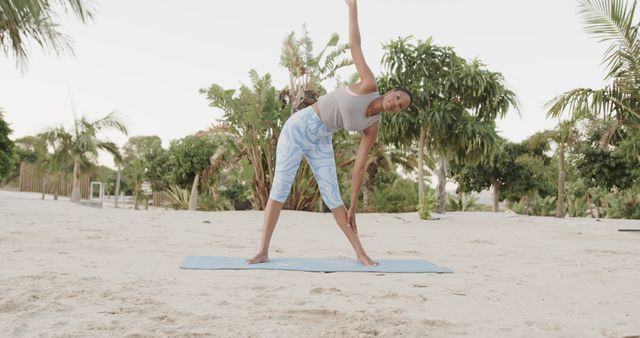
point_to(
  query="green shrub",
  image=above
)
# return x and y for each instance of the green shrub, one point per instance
(543, 206)
(401, 196)
(179, 197)
(538, 206)
(427, 204)
(577, 207)
(237, 194)
(462, 202)
(207, 203)
(625, 204)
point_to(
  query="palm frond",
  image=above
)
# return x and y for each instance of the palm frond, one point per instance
(612, 21)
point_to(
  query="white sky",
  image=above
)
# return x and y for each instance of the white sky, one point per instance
(146, 59)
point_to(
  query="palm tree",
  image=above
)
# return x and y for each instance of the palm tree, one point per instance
(23, 20)
(61, 164)
(619, 102)
(565, 136)
(119, 162)
(82, 144)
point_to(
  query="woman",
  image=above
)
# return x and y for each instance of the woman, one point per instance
(308, 132)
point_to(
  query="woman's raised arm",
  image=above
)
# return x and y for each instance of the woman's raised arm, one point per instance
(367, 82)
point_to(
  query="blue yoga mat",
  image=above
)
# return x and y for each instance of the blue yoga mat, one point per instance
(312, 265)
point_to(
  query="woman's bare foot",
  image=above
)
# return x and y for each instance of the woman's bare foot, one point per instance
(365, 260)
(259, 258)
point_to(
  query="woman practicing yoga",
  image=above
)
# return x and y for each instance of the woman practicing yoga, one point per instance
(308, 133)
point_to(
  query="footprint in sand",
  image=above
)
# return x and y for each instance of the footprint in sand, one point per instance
(324, 291)
(436, 323)
(390, 295)
(135, 335)
(458, 293)
(234, 246)
(479, 241)
(313, 315)
(607, 252)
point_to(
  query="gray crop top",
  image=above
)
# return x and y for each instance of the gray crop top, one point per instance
(342, 109)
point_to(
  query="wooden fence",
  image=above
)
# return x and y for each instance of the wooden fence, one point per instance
(31, 181)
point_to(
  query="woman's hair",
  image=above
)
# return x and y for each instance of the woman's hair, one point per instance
(408, 93)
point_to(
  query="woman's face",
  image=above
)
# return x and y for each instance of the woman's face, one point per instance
(395, 101)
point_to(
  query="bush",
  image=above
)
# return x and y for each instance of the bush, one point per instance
(179, 197)
(427, 204)
(577, 207)
(207, 203)
(237, 194)
(538, 206)
(462, 202)
(543, 206)
(401, 196)
(625, 204)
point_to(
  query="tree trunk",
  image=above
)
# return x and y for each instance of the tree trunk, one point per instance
(496, 194)
(44, 185)
(561, 181)
(442, 183)
(367, 190)
(526, 205)
(366, 198)
(570, 205)
(118, 177)
(136, 198)
(75, 193)
(421, 186)
(56, 186)
(259, 179)
(193, 199)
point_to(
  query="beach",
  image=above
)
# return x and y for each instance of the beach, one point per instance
(70, 270)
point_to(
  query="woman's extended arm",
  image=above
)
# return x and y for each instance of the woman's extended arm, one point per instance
(367, 82)
(368, 139)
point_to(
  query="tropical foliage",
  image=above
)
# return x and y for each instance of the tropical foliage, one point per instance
(83, 143)
(586, 166)
(22, 21)
(255, 114)
(8, 155)
(455, 105)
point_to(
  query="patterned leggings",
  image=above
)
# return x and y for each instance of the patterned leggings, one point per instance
(305, 134)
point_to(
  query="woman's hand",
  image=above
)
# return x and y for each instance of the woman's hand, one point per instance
(350, 2)
(351, 219)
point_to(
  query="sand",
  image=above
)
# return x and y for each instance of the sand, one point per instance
(69, 270)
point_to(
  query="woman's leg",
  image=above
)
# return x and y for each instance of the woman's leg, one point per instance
(323, 164)
(271, 214)
(288, 157)
(340, 215)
